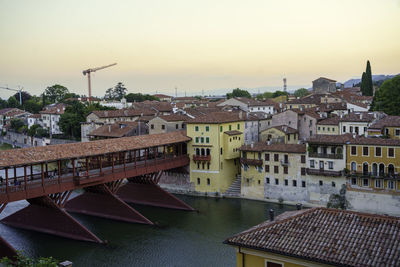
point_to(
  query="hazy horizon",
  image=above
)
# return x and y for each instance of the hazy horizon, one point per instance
(194, 46)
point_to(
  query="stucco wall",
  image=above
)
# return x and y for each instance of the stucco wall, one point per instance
(374, 202)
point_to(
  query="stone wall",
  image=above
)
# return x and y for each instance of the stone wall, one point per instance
(373, 202)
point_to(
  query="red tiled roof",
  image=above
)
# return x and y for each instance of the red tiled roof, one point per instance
(6, 110)
(360, 117)
(330, 139)
(126, 112)
(329, 236)
(115, 130)
(54, 109)
(330, 121)
(174, 117)
(329, 80)
(218, 117)
(285, 129)
(388, 121)
(51, 153)
(263, 146)
(162, 96)
(232, 132)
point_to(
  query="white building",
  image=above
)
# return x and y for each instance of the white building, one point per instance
(251, 105)
(358, 122)
(50, 117)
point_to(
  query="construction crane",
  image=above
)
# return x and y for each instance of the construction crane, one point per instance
(16, 90)
(88, 71)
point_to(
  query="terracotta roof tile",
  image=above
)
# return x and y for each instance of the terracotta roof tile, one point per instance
(76, 150)
(330, 121)
(388, 121)
(115, 130)
(218, 117)
(329, 236)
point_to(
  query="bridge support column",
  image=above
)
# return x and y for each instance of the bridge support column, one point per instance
(45, 214)
(145, 190)
(100, 201)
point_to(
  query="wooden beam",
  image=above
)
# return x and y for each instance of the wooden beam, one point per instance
(25, 178)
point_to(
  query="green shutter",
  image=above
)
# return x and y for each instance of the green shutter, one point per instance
(220, 129)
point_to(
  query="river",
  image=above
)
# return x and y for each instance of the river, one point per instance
(181, 238)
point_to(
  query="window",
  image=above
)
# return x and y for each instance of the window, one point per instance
(202, 140)
(276, 181)
(276, 169)
(353, 150)
(207, 140)
(319, 128)
(303, 159)
(344, 129)
(221, 151)
(276, 157)
(351, 129)
(285, 170)
(294, 182)
(365, 151)
(333, 129)
(176, 126)
(198, 180)
(378, 151)
(303, 171)
(321, 183)
(391, 152)
(397, 132)
(378, 183)
(330, 165)
(266, 168)
(196, 128)
(230, 127)
(267, 180)
(197, 139)
(163, 127)
(207, 128)
(286, 182)
(266, 156)
(152, 126)
(238, 126)
(310, 133)
(221, 128)
(312, 163)
(208, 181)
(354, 181)
(303, 183)
(390, 184)
(365, 182)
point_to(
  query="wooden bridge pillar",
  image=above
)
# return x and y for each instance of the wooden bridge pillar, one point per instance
(145, 190)
(100, 201)
(45, 214)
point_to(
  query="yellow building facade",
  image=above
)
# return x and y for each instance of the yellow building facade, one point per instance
(280, 134)
(214, 151)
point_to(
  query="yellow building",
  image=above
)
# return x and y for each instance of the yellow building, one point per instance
(328, 126)
(373, 163)
(280, 134)
(319, 237)
(214, 150)
(273, 171)
(388, 126)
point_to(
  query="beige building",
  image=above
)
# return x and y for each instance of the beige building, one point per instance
(167, 123)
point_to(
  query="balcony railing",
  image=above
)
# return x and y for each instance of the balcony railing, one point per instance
(285, 162)
(257, 162)
(325, 155)
(373, 175)
(323, 172)
(201, 158)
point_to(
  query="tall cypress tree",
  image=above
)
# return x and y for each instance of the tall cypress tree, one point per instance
(369, 84)
(363, 84)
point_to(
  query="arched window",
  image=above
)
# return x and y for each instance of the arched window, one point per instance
(203, 152)
(353, 166)
(381, 169)
(375, 169)
(339, 150)
(365, 168)
(391, 169)
(208, 151)
(197, 151)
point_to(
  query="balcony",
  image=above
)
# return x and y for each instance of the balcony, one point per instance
(323, 172)
(285, 162)
(324, 155)
(373, 175)
(256, 162)
(202, 158)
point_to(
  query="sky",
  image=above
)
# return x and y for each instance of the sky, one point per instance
(208, 45)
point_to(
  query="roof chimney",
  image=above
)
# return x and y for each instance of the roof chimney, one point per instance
(271, 214)
(252, 145)
(109, 128)
(361, 116)
(354, 136)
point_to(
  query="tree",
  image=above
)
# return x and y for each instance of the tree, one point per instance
(16, 124)
(25, 96)
(12, 102)
(120, 91)
(387, 97)
(24, 261)
(279, 93)
(33, 105)
(109, 94)
(238, 93)
(367, 87)
(56, 93)
(70, 124)
(301, 92)
(131, 97)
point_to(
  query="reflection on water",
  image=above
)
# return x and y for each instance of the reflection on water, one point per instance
(180, 238)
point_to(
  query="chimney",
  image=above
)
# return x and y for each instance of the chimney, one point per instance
(284, 128)
(109, 128)
(354, 136)
(298, 206)
(271, 214)
(360, 116)
(341, 115)
(374, 115)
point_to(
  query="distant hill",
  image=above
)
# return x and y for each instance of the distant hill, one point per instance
(379, 77)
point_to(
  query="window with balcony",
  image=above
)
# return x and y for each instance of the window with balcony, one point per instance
(390, 184)
(312, 163)
(378, 183)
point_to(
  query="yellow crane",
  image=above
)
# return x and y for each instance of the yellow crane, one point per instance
(88, 71)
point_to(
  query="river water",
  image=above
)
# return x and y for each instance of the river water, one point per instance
(181, 238)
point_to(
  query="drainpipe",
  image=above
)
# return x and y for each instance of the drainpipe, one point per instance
(243, 262)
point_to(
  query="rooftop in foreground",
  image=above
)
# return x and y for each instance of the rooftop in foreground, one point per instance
(329, 236)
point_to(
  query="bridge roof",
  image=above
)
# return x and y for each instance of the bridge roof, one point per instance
(34, 155)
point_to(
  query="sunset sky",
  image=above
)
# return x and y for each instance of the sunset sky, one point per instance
(194, 45)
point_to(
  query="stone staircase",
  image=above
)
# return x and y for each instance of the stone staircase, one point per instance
(234, 189)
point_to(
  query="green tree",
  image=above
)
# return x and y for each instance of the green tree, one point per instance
(301, 92)
(33, 105)
(12, 102)
(24, 261)
(109, 94)
(56, 93)
(387, 97)
(16, 124)
(120, 90)
(279, 93)
(367, 87)
(238, 93)
(131, 97)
